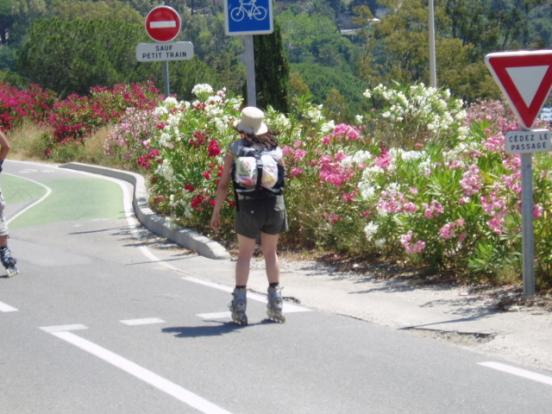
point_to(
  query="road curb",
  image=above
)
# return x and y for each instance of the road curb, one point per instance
(157, 224)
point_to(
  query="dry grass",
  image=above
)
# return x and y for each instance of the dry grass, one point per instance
(94, 148)
(26, 142)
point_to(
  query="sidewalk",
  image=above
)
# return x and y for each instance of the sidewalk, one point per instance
(487, 322)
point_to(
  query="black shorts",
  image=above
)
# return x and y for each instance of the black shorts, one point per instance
(267, 215)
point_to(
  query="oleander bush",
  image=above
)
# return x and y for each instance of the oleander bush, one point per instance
(419, 178)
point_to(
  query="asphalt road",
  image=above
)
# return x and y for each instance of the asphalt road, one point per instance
(105, 318)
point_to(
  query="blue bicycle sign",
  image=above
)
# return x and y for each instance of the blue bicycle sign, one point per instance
(248, 17)
(249, 9)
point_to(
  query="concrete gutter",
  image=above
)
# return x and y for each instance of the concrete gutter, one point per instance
(155, 223)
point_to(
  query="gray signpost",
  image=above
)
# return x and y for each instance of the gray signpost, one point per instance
(247, 18)
(163, 24)
(525, 78)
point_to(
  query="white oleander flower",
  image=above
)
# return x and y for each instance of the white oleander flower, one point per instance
(370, 230)
(202, 89)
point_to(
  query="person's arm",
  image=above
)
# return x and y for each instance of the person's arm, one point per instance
(4, 148)
(222, 190)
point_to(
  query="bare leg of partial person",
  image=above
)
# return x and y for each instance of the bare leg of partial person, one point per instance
(246, 247)
(3, 241)
(269, 245)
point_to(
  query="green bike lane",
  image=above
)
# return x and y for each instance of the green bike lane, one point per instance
(64, 198)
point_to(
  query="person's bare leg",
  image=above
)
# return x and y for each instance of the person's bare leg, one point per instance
(269, 245)
(246, 248)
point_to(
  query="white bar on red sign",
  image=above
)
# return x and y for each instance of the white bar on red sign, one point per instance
(163, 24)
(524, 142)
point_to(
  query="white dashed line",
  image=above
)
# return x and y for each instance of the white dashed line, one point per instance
(4, 307)
(143, 321)
(63, 328)
(214, 316)
(533, 376)
(288, 307)
(143, 374)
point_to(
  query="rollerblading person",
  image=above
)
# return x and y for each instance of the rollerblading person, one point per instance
(6, 257)
(254, 165)
(275, 305)
(238, 306)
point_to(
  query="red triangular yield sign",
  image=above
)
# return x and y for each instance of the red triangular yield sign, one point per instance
(525, 77)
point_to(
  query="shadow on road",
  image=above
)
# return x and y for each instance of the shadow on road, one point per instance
(209, 330)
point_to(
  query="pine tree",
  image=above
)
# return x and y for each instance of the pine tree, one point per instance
(272, 71)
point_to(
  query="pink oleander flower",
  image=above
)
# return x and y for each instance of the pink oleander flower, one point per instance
(333, 218)
(300, 154)
(449, 230)
(455, 164)
(471, 181)
(495, 143)
(391, 201)
(296, 171)
(496, 223)
(384, 161)
(287, 151)
(347, 131)
(331, 170)
(409, 207)
(434, 209)
(538, 211)
(349, 197)
(411, 246)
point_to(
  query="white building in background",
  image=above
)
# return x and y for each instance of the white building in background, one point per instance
(546, 114)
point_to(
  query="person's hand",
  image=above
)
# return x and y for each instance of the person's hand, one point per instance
(215, 220)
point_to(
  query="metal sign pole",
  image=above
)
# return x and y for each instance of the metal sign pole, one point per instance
(432, 54)
(166, 78)
(529, 285)
(249, 57)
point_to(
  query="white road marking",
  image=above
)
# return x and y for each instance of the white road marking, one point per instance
(143, 374)
(533, 376)
(288, 307)
(40, 200)
(214, 316)
(163, 24)
(143, 321)
(64, 328)
(4, 307)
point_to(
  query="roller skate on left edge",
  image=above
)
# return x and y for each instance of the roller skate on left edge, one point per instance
(8, 261)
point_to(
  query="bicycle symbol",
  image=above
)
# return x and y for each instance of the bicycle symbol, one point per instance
(249, 9)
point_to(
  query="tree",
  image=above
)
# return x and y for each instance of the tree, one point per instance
(71, 55)
(402, 52)
(272, 71)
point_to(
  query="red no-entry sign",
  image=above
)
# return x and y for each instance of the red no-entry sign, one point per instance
(163, 24)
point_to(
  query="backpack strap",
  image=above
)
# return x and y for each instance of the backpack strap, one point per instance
(259, 161)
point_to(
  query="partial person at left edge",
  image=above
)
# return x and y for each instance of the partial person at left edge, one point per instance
(8, 261)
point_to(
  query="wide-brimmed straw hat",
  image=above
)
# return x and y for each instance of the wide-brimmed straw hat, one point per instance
(252, 121)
